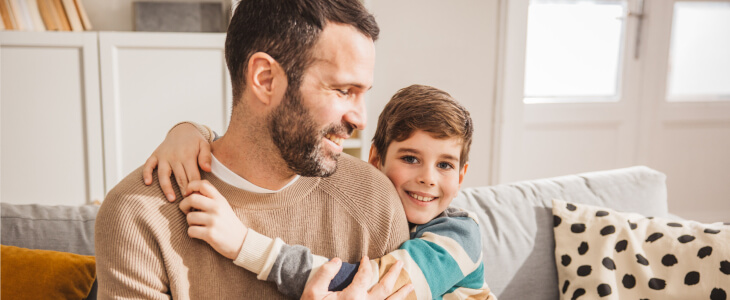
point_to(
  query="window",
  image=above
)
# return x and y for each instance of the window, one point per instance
(699, 57)
(574, 51)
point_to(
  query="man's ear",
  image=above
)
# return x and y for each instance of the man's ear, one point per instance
(462, 172)
(373, 158)
(265, 78)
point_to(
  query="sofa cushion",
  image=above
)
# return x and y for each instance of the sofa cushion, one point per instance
(516, 222)
(58, 228)
(44, 274)
(601, 252)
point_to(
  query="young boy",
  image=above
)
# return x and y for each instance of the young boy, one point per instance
(422, 145)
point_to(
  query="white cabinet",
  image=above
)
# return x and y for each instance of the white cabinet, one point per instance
(80, 111)
(51, 142)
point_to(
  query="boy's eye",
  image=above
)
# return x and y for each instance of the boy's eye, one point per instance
(445, 166)
(409, 159)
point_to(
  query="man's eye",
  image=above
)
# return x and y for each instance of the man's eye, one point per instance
(409, 159)
(445, 166)
(343, 92)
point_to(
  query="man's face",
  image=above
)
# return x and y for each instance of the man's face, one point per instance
(311, 123)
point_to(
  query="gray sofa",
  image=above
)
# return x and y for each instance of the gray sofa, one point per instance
(516, 222)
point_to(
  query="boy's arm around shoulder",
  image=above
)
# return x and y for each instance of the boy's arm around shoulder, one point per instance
(128, 262)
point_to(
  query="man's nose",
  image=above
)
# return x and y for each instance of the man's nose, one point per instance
(357, 115)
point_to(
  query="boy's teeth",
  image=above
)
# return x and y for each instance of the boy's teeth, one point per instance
(334, 139)
(421, 198)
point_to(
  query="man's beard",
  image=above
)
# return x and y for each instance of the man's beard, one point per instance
(295, 133)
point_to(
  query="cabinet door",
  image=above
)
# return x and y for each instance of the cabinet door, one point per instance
(51, 118)
(151, 81)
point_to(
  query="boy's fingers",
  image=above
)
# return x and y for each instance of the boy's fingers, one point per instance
(198, 232)
(402, 293)
(149, 167)
(204, 157)
(198, 218)
(196, 202)
(321, 280)
(163, 176)
(180, 177)
(205, 188)
(192, 172)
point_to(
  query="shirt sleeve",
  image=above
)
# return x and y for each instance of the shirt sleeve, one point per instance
(444, 258)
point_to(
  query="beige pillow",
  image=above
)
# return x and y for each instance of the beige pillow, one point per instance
(604, 254)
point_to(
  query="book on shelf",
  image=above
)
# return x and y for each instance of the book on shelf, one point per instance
(43, 15)
(35, 15)
(8, 20)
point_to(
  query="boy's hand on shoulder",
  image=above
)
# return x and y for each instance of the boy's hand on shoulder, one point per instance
(183, 149)
(212, 219)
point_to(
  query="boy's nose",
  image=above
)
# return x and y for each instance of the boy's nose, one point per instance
(427, 177)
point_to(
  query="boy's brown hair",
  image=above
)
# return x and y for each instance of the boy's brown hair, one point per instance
(420, 107)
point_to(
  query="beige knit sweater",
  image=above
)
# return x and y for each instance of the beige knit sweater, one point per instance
(143, 250)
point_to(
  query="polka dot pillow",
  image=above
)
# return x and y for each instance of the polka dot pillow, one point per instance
(604, 254)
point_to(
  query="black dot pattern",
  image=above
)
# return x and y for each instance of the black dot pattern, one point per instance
(685, 239)
(654, 237)
(608, 230)
(621, 245)
(629, 281)
(669, 260)
(578, 228)
(578, 293)
(657, 284)
(725, 267)
(583, 248)
(604, 290)
(584, 270)
(704, 252)
(718, 294)
(608, 263)
(692, 278)
(565, 260)
(668, 245)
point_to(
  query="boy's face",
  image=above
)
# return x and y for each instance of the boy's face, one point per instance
(425, 172)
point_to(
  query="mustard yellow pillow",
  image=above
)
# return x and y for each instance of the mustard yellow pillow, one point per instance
(44, 274)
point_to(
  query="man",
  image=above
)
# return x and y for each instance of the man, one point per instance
(299, 69)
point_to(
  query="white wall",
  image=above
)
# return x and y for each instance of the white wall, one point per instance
(450, 45)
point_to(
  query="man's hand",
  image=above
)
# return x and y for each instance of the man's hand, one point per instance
(180, 153)
(212, 220)
(317, 287)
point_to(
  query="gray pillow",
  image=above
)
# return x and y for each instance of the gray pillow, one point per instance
(517, 222)
(58, 228)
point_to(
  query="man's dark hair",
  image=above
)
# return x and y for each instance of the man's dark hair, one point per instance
(287, 30)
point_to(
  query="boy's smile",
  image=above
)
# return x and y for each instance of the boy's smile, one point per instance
(425, 173)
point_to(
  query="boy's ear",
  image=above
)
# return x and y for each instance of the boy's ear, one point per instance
(265, 78)
(462, 172)
(373, 158)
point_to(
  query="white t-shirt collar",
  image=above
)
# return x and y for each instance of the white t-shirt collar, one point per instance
(229, 177)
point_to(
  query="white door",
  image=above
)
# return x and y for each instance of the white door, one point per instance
(585, 88)
(570, 98)
(687, 104)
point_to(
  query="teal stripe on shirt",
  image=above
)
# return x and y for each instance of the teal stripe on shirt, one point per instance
(441, 272)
